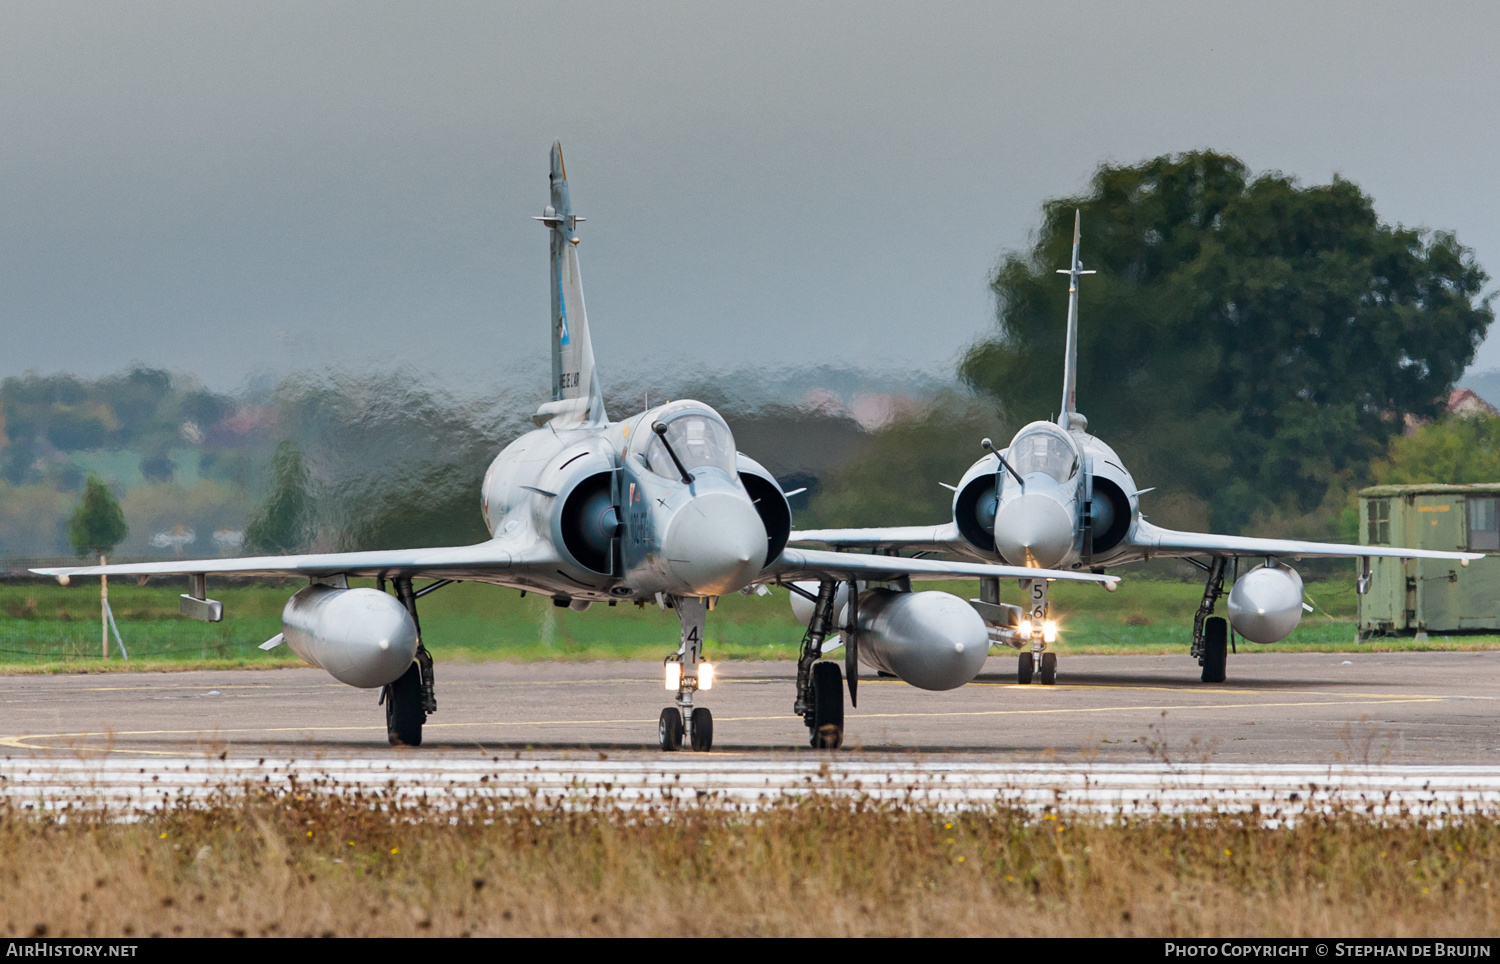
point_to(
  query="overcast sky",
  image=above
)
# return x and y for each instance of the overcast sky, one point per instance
(238, 188)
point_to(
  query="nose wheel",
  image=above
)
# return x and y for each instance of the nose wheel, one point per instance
(702, 730)
(670, 731)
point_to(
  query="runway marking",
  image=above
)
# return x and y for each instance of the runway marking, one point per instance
(1276, 794)
(23, 742)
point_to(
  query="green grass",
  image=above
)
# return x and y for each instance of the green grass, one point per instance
(45, 627)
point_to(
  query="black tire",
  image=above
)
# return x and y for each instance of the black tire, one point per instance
(404, 715)
(703, 730)
(828, 706)
(1049, 669)
(1215, 649)
(669, 729)
(1025, 667)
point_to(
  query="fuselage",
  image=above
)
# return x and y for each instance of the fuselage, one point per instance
(625, 519)
(1073, 505)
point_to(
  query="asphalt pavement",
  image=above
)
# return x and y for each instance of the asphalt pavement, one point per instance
(1317, 709)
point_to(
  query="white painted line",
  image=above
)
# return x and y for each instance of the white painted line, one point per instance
(1282, 792)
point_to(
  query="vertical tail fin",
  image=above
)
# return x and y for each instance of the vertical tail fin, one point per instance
(576, 398)
(1068, 414)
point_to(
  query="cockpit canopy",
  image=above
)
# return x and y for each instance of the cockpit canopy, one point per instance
(696, 433)
(1045, 448)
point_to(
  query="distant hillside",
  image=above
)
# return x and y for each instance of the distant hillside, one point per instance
(1485, 384)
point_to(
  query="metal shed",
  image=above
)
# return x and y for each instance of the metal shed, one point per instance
(1431, 595)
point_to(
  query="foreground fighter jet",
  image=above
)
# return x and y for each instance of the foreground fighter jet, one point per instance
(1059, 497)
(656, 508)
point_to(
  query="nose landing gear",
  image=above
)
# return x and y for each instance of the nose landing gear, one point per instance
(1039, 631)
(1027, 627)
(691, 674)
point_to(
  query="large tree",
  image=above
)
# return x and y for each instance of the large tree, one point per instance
(1246, 339)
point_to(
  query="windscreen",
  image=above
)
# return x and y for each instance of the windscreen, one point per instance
(1045, 450)
(698, 440)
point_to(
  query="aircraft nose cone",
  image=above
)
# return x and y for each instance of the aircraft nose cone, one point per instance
(1034, 529)
(715, 545)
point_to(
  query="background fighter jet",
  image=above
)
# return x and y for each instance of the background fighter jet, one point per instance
(1059, 497)
(659, 507)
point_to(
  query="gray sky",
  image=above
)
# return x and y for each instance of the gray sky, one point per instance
(239, 188)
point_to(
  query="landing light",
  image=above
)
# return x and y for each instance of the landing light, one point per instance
(705, 676)
(1024, 629)
(674, 676)
(1049, 631)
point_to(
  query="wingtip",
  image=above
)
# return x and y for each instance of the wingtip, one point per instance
(559, 170)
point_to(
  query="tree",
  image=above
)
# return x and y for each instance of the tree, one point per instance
(280, 525)
(98, 524)
(1450, 450)
(1249, 341)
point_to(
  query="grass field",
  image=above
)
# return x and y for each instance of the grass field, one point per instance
(304, 864)
(47, 627)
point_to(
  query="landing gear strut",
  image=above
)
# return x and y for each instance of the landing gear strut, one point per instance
(410, 699)
(1035, 612)
(1210, 632)
(820, 685)
(683, 719)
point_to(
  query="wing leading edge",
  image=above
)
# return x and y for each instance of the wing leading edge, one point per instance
(939, 538)
(815, 563)
(486, 561)
(1146, 542)
(1157, 542)
(496, 560)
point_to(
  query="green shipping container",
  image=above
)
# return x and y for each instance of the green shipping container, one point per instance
(1431, 595)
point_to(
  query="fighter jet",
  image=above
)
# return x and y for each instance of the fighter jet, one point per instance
(1060, 497)
(658, 508)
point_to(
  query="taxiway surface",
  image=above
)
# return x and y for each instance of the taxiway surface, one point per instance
(1315, 709)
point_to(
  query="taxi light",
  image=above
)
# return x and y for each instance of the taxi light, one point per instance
(705, 676)
(1049, 631)
(674, 676)
(1024, 629)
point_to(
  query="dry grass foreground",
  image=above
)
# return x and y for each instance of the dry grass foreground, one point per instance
(319, 864)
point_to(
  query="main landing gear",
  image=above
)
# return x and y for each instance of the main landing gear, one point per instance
(1210, 632)
(820, 685)
(686, 673)
(410, 699)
